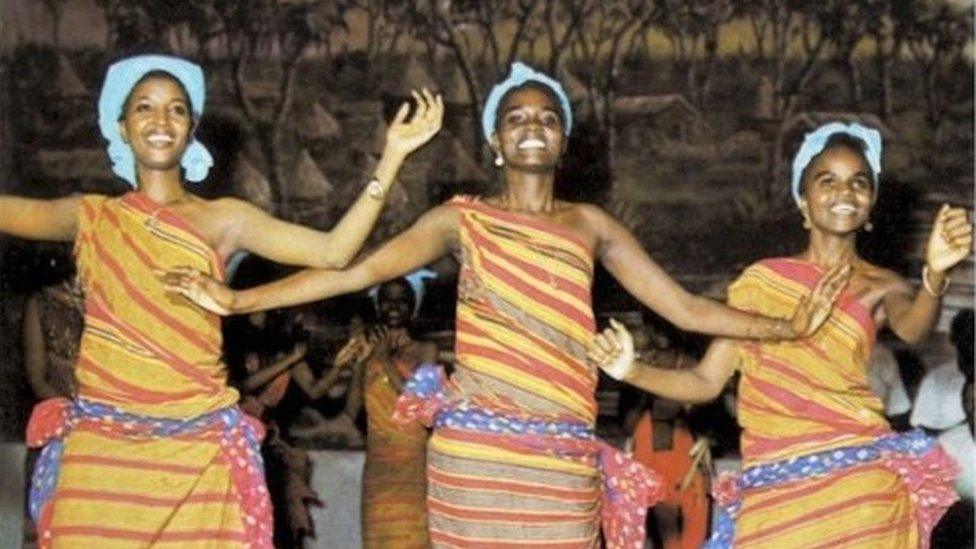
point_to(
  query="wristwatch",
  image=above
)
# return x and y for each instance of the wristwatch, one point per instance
(375, 189)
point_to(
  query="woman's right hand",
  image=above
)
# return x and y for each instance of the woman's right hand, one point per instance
(815, 307)
(204, 290)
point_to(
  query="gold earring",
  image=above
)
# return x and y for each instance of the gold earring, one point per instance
(499, 161)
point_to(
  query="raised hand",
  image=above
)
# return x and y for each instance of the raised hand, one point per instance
(613, 350)
(204, 290)
(815, 308)
(951, 239)
(357, 349)
(404, 137)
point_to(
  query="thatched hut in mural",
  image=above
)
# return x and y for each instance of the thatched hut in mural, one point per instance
(250, 184)
(315, 123)
(656, 117)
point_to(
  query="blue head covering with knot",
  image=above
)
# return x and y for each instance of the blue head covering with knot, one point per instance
(519, 75)
(815, 141)
(121, 78)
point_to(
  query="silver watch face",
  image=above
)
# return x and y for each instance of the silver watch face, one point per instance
(375, 189)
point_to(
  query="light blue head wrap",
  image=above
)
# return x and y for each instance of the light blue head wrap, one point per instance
(119, 81)
(815, 141)
(519, 74)
(416, 280)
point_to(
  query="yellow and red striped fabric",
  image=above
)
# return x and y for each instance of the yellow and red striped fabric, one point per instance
(524, 318)
(394, 506)
(155, 355)
(807, 396)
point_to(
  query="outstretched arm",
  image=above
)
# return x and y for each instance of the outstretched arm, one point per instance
(911, 317)
(430, 237)
(34, 219)
(251, 229)
(627, 261)
(613, 352)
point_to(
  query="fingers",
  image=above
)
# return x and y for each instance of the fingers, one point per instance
(178, 279)
(421, 105)
(401, 114)
(602, 349)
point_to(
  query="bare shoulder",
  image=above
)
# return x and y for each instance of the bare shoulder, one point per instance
(882, 280)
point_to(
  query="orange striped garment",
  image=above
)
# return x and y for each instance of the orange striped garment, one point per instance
(501, 472)
(153, 360)
(394, 506)
(804, 397)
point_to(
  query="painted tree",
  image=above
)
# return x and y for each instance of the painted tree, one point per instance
(384, 29)
(844, 24)
(692, 28)
(278, 36)
(481, 38)
(790, 48)
(55, 8)
(937, 38)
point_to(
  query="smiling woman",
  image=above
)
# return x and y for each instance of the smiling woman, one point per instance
(513, 457)
(153, 447)
(816, 447)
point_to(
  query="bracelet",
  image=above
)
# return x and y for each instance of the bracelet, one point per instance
(925, 283)
(375, 190)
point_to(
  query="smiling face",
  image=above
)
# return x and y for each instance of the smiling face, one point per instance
(395, 304)
(157, 122)
(838, 190)
(529, 134)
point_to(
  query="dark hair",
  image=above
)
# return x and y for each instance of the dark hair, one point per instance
(848, 141)
(157, 74)
(961, 330)
(533, 84)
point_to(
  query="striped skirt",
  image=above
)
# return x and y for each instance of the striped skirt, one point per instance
(888, 493)
(498, 479)
(107, 478)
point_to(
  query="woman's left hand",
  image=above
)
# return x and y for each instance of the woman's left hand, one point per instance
(951, 239)
(613, 350)
(405, 137)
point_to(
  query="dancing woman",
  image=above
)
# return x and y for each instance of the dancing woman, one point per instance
(154, 448)
(513, 458)
(822, 467)
(394, 508)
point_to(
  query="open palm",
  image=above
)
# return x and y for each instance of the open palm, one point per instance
(404, 136)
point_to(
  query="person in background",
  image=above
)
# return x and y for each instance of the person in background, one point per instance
(884, 376)
(662, 439)
(394, 503)
(944, 407)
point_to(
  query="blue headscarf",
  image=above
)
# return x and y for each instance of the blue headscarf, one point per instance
(519, 74)
(119, 81)
(815, 141)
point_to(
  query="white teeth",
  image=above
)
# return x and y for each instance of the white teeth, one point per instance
(843, 209)
(160, 139)
(532, 143)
